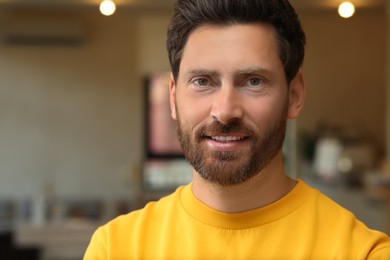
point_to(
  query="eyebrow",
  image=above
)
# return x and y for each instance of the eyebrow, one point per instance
(253, 70)
(194, 72)
(244, 71)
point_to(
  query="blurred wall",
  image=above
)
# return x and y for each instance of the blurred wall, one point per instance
(345, 72)
(71, 117)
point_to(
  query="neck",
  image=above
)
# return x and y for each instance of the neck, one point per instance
(268, 186)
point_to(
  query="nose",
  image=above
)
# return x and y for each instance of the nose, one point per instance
(227, 105)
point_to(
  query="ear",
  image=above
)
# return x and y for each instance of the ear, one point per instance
(297, 92)
(172, 96)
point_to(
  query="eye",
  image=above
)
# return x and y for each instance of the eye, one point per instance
(255, 82)
(201, 82)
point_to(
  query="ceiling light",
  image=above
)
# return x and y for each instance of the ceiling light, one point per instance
(346, 9)
(107, 7)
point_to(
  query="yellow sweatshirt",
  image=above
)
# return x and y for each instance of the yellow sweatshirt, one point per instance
(304, 224)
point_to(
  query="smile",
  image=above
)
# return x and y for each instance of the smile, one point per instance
(227, 138)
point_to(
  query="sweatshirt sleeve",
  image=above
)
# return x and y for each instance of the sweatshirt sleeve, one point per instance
(97, 248)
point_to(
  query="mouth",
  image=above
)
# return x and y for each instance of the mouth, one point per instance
(226, 143)
(227, 138)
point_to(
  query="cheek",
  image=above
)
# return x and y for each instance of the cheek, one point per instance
(190, 114)
(192, 111)
(264, 114)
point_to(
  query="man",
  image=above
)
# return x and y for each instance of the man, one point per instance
(236, 79)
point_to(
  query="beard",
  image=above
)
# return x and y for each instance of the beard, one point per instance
(229, 168)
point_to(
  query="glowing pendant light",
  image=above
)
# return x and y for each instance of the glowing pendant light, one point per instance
(107, 7)
(346, 9)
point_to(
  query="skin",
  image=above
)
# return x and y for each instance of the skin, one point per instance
(233, 73)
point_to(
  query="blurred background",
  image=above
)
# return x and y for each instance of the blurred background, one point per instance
(76, 95)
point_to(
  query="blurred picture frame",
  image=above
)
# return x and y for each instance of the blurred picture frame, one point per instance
(161, 137)
(165, 167)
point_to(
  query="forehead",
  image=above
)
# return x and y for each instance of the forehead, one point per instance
(236, 45)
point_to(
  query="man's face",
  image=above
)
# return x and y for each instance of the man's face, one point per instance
(231, 101)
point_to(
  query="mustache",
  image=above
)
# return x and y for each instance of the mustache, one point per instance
(217, 127)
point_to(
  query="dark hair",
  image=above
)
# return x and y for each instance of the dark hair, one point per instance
(190, 14)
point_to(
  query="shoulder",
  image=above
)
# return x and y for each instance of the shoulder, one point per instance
(326, 210)
(321, 203)
(381, 252)
(332, 220)
(153, 212)
(124, 233)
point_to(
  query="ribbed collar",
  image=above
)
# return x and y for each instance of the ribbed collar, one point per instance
(261, 216)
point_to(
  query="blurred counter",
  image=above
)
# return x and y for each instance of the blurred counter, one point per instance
(66, 239)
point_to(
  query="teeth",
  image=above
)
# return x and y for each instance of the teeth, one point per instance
(227, 138)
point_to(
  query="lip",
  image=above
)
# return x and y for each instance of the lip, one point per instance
(226, 142)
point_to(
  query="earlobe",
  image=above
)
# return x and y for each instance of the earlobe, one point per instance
(172, 96)
(297, 92)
